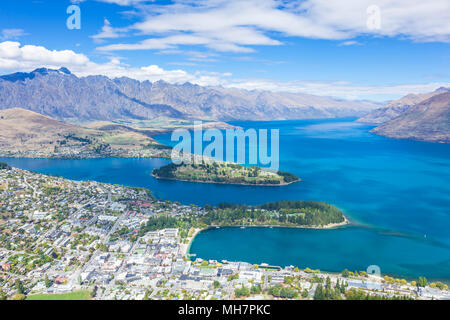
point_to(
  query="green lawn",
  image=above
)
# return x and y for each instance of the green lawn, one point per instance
(76, 295)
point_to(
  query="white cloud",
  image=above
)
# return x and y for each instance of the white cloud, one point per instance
(7, 34)
(339, 89)
(14, 57)
(125, 2)
(108, 32)
(234, 25)
(349, 43)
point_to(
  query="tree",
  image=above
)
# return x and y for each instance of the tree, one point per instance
(341, 287)
(233, 277)
(328, 289)
(283, 292)
(216, 284)
(19, 287)
(48, 283)
(305, 293)
(422, 282)
(255, 289)
(94, 292)
(439, 285)
(242, 292)
(319, 294)
(288, 280)
(4, 166)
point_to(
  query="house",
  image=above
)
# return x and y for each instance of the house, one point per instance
(61, 280)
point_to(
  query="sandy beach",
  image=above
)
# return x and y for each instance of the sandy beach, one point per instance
(185, 246)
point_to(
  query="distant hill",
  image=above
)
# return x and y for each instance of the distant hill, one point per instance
(64, 96)
(397, 107)
(24, 131)
(427, 121)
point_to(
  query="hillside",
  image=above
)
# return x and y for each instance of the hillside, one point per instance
(64, 96)
(397, 107)
(27, 129)
(426, 121)
(26, 133)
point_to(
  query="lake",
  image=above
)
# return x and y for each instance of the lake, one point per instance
(395, 192)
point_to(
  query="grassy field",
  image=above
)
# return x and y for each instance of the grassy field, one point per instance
(76, 295)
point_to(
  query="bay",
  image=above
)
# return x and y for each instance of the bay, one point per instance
(396, 193)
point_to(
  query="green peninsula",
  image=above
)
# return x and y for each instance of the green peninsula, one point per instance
(302, 214)
(224, 172)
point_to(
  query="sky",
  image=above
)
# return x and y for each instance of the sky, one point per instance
(352, 49)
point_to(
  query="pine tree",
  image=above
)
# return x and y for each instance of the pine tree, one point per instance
(47, 282)
(319, 293)
(19, 287)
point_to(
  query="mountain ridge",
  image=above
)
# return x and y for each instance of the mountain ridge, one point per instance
(62, 95)
(396, 107)
(428, 120)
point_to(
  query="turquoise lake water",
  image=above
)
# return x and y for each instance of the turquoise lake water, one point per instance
(395, 192)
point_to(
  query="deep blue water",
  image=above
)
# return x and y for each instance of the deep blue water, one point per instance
(353, 248)
(396, 192)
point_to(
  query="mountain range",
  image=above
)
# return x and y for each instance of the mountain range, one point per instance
(396, 107)
(429, 120)
(64, 96)
(128, 104)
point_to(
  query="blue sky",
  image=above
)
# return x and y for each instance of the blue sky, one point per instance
(311, 46)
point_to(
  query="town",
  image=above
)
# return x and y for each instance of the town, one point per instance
(88, 240)
(87, 152)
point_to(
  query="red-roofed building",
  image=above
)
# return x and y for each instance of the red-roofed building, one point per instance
(61, 280)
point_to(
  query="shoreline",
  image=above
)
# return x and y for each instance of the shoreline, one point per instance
(229, 183)
(82, 158)
(329, 226)
(153, 175)
(187, 247)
